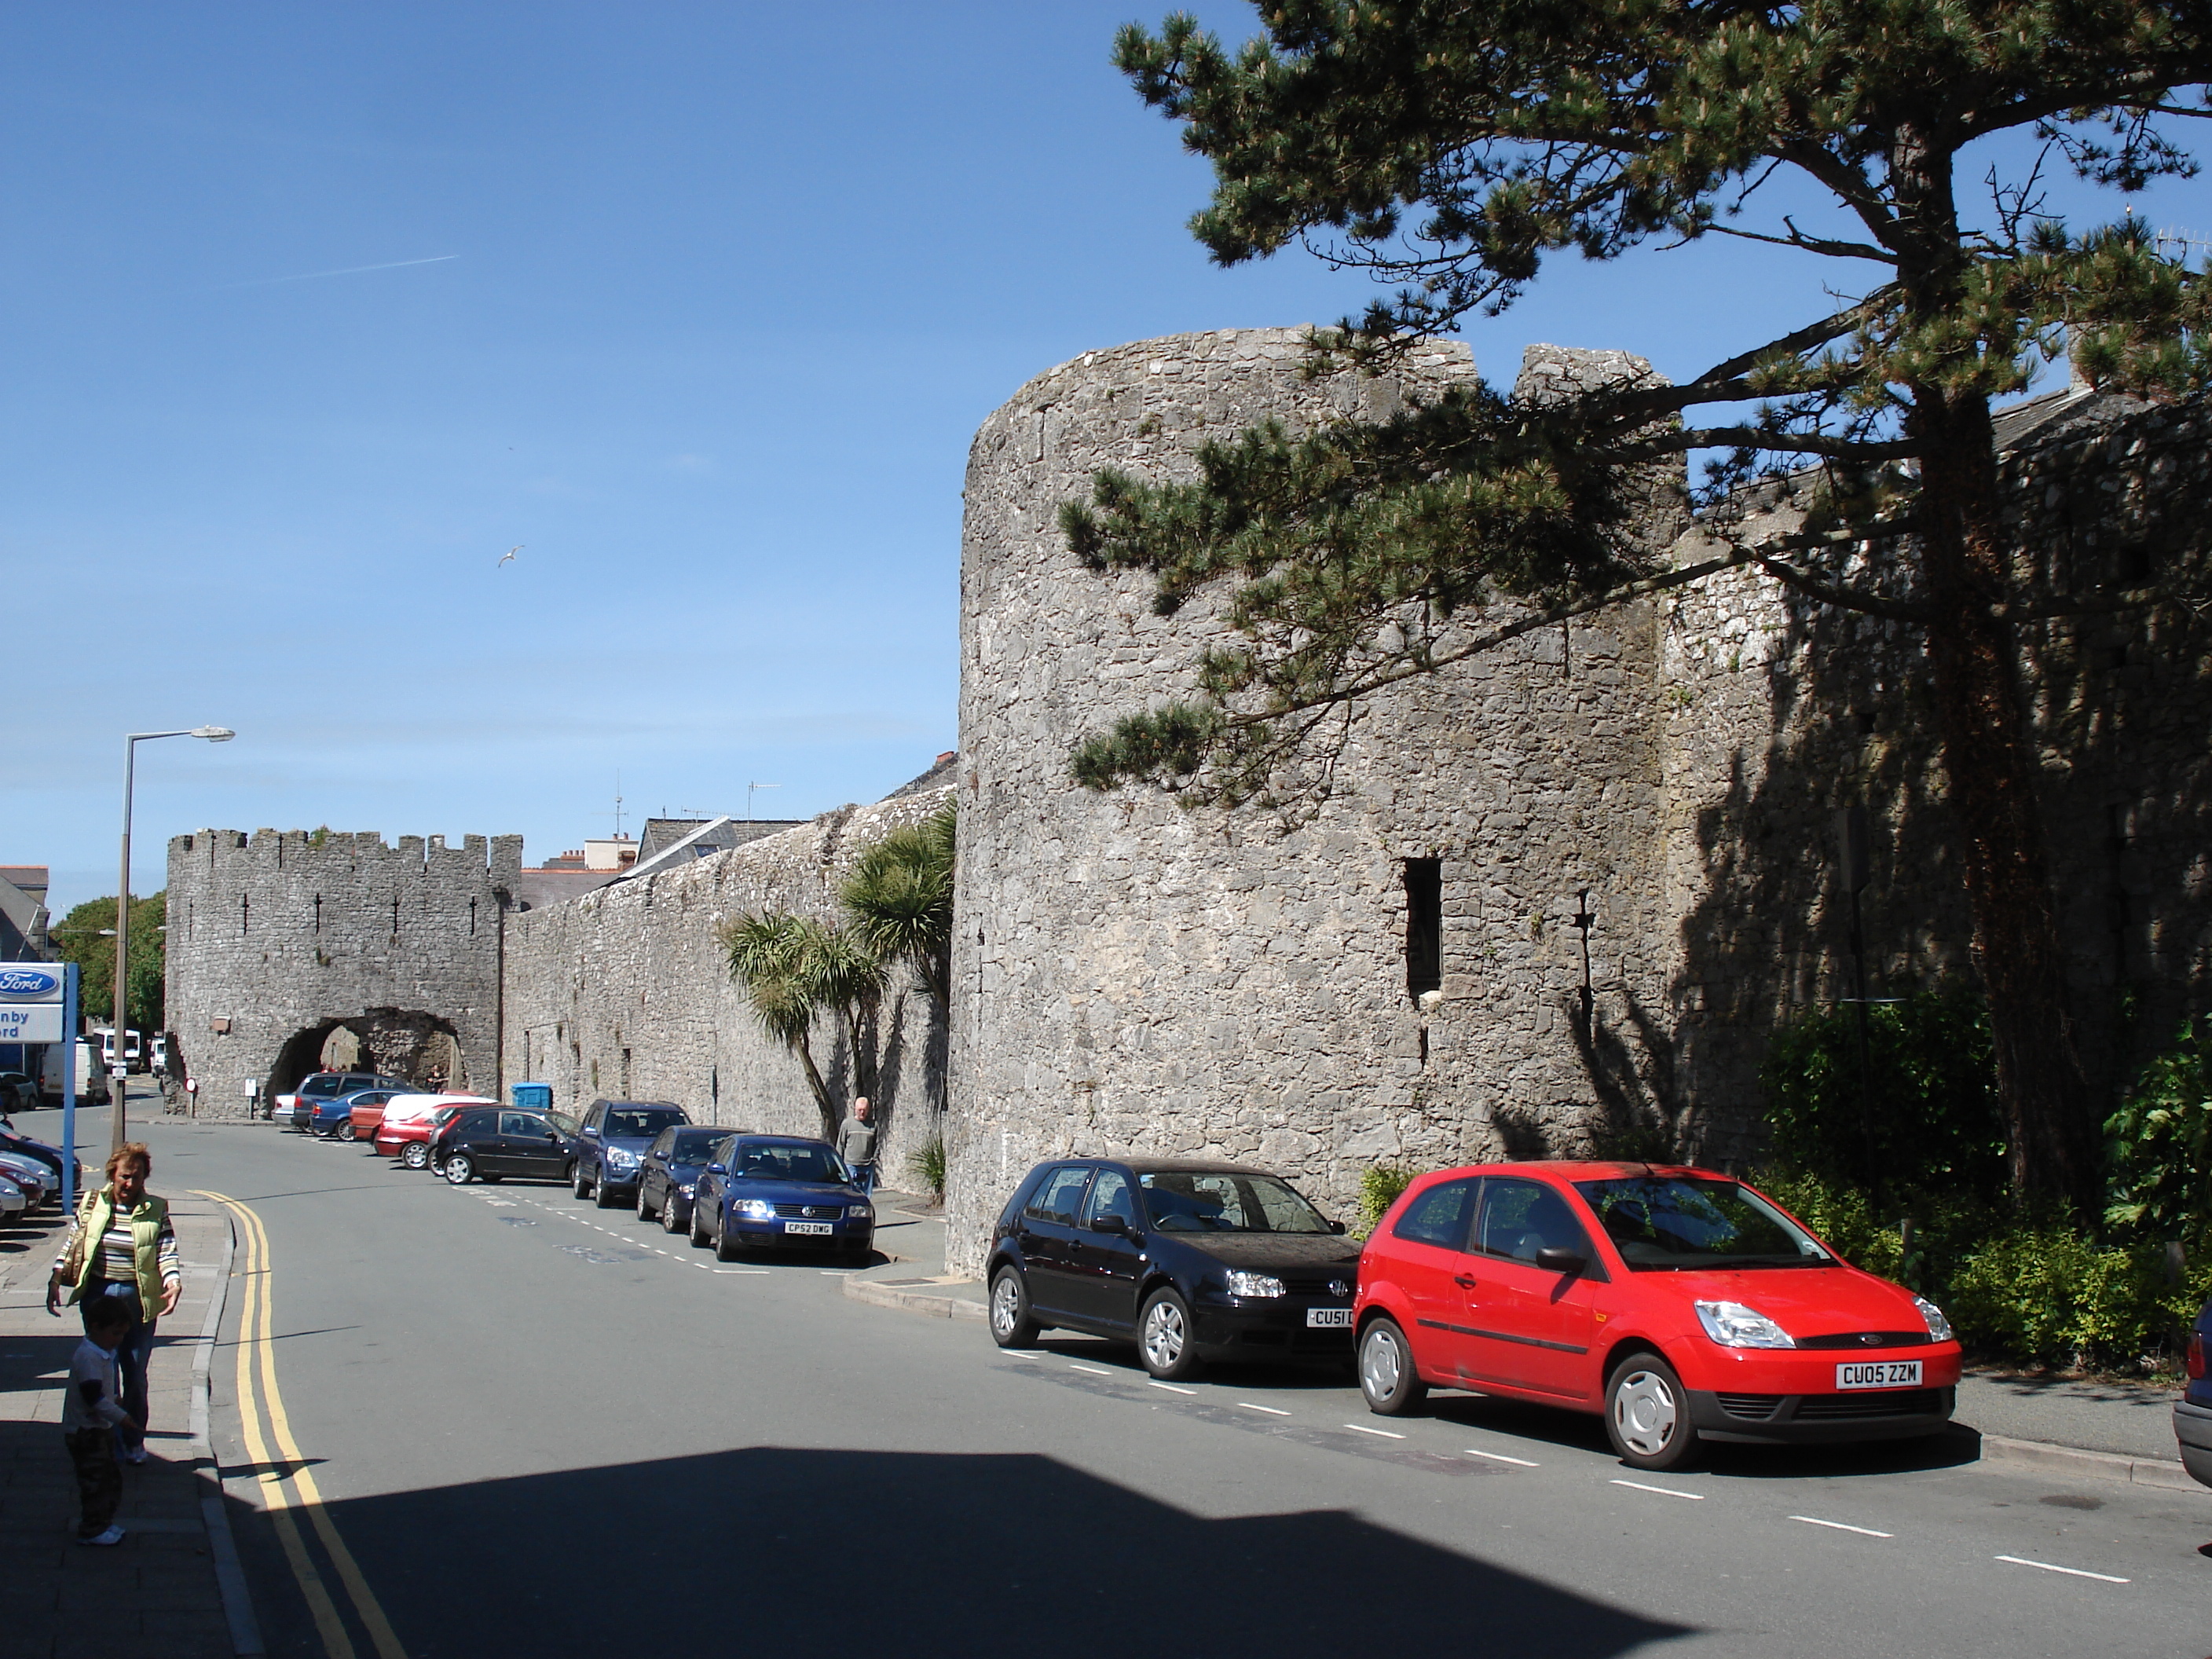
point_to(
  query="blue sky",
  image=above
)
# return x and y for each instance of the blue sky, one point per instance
(719, 294)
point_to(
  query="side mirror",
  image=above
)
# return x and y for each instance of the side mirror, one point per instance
(1336, 1226)
(1110, 1223)
(589, 1130)
(718, 1169)
(1558, 1260)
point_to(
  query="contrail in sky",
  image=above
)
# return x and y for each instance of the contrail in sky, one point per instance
(346, 270)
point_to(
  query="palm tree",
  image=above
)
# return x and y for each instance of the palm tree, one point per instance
(793, 968)
(899, 897)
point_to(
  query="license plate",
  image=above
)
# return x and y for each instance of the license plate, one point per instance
(1329, 1318)
(819, 1229)
(1880, 1374)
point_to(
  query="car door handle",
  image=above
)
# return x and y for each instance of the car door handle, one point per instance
(1465, 1281)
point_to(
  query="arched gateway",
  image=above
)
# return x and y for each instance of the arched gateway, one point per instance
(285, 948)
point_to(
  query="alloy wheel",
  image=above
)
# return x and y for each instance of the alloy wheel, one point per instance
(1164, 1334)
(1005, 1306)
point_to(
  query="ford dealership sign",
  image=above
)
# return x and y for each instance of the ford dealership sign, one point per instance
(30, 1002)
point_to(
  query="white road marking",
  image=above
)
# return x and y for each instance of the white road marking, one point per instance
(762, 1271)
(1272, 1411)
(1361, 1428)
(2071, 1572)
(1154, 1382)
(1093, 1370)
(1841, 1526)
(1500, 1457)
(1664, 1492)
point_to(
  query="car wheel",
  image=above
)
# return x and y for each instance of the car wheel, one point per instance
(415, 1154)
(725, 1248)
(602, 1198)
(1647, 1414)
(460, 1168)
(577, 1184)
(1389, 1379)
(1011, 1326)
(670, 1221)
(1166, 1342)
(699, 1240)
(644, 1209)
(347, 1132)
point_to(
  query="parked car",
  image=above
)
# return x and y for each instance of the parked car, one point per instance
(492, 1143)
(13, 1200)
(671, 1170)
(1194, 1260)
(405, 1111)
(11, 1141)
(409, 1139)
(337, 1117)
(611, 1146)
(38, 1181)
(90, 1081)
(1679, 1303)
(780, 1193)
(2192, 1413)
(286, 1108)
(18, 1091)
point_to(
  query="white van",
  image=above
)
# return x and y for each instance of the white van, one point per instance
(91, 1080)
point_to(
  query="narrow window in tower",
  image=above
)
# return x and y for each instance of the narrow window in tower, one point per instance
(473, 918)
(244, 915)
(395, 916)
(1424, 927)
(319, 912)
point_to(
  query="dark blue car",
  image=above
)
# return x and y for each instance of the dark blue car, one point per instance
(331, 1117)
(673, 1166)
(2192, 1413)
(610, 1147)
(780, 1193)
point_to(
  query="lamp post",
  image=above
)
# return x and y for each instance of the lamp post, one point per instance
(117, 1080)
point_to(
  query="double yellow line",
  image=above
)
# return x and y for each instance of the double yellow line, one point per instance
(288, 1484)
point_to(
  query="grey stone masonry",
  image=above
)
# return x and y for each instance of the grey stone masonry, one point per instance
(626, 993)
(278, 940)
(1130, 975)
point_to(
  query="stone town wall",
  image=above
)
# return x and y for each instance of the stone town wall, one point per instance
(1778, 710)
(625, 992)
(1129, 975)
(279, 939)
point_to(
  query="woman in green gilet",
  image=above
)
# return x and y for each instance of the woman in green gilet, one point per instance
(121, 1248)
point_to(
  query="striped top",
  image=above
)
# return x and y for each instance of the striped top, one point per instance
(115, 1264)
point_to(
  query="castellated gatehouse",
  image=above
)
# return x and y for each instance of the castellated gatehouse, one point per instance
(1556, 897)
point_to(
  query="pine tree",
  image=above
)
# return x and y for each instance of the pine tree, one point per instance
(1451, 148)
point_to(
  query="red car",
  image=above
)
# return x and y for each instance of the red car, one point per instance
(1679, 1303)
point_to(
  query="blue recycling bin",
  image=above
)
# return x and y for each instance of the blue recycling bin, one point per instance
(536, 1096)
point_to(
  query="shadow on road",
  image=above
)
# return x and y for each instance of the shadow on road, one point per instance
(777, 1549)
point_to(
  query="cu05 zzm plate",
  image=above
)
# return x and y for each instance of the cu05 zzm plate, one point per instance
(819, 1229)
(1880, 1374)
(1329, 1318)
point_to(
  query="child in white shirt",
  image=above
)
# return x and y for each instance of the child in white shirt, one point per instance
(91, 1414)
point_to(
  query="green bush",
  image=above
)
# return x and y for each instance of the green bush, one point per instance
(2158, 1150)
(1378, 1190)
(926, 1164)
(1930, 1105)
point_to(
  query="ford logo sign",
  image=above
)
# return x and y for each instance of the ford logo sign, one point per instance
(29, 982)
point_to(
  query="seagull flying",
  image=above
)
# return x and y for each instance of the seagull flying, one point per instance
(508, 556)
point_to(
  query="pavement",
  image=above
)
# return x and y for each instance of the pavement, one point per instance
(173, 1587)
(2108, 1431)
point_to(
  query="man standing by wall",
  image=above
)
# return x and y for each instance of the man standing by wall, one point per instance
(856, 1144)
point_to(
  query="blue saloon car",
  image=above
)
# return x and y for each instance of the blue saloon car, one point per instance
(331, 1116)
(671, 1169)
(780, 1193)
(610, 1147)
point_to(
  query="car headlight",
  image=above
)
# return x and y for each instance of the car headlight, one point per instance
(620, 1159)
(755, 1209)
(860, 1213)
(1244, 1283)
(1939, 1328)
(685, 1188)
(1735, 1326)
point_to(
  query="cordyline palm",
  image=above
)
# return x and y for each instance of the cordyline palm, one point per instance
(793, 968)
(899, 898)
(1451, 146)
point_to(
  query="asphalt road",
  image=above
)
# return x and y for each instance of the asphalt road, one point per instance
(538, 1428)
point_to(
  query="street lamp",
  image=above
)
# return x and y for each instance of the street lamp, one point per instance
(117, 1082)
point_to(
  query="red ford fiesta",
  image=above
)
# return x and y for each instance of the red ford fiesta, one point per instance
(1679, 1303)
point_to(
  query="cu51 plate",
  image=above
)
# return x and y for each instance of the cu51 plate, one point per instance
(1880, 1374)
(1329, 1318)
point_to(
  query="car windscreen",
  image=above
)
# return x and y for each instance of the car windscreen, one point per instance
(641, 1121)
(769, 1161)
(1689, 1223)
(692, 1145)
(322, 1086)
(1219, 1201)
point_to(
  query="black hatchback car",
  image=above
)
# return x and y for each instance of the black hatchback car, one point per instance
(494, 1142)
(1193, 1260)
(671, 1172)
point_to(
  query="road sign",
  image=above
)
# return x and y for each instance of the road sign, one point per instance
(30, 1001)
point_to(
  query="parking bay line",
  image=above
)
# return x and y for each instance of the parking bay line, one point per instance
(1664, 1492)
(2071, 1572)
(1094, 1369)
(1361, 1428)
(1841, 1525)
(1155, 1382)
(1500, 1457)
(1272, 1411)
